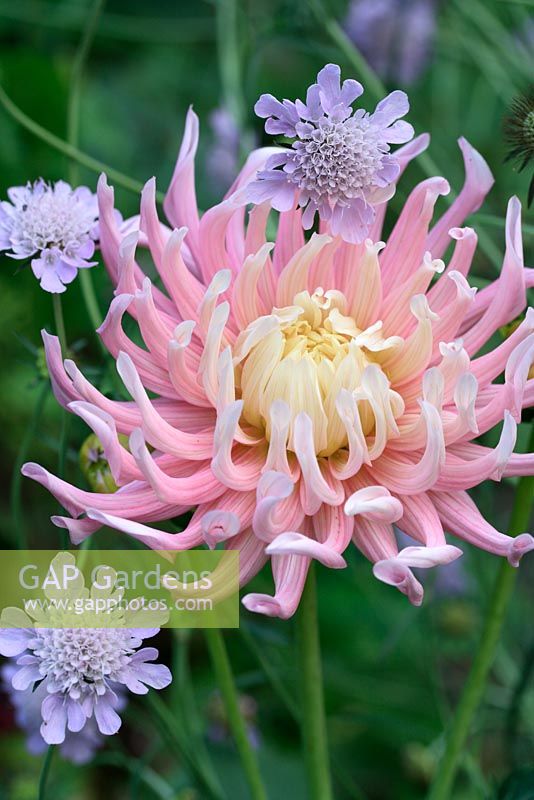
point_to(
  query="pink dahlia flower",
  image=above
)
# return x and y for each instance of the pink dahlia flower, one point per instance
(304, 393)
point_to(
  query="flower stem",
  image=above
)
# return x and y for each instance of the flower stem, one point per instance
(313, 721)
(17, 519)
(225, 680)
(45, 769)
(73, 130)
(484, 657)
(60, 323)
(119, 178)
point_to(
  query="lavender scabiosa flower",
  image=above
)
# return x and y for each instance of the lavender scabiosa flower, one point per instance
(377, 28)
(55, 226)
(79, 667)
(339, 163)
(77, 747)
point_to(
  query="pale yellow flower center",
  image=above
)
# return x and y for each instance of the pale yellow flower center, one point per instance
(305, 355)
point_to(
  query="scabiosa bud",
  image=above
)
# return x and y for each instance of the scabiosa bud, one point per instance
(339, 163)
(77, 747)
(55, 226)
(95, 465)
(519, 134)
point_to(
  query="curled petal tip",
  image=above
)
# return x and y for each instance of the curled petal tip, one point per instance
(521, 544)
(264, 604)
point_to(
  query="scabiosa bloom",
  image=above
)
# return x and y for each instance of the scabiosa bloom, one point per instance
(84, 671)
(77, 747)
(339, 164)
(55, 226)
(378, 29)
(304, 393)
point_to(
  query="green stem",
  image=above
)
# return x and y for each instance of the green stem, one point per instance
(73, 131)
(229, 52)
(44, 772)
(496, 613)
(119, 178)
(60, 323)
(225, 680)
(313, 720)
(16, 512)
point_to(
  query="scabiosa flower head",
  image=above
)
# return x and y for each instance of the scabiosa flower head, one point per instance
(519, 133)
(78, 747)
(378, 29)
(54, 226)
(80, 668)
(339, 163)
(306, 392)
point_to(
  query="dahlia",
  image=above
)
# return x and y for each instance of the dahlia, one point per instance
(55, 226)
(310, 392)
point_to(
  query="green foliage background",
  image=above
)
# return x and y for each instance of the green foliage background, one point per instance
(392, 672)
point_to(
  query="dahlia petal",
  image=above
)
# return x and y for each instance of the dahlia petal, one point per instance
(358, 454)
(403, 477)
(218, 526)
(294, 277)
(212, 348)
(403, 156)
(414, 355)
(149, 223)
(279, 419)
(374, 503)
(180, 204)
(487, 367)
(247, 305)
(182, 373)
(293, 543)
(185, 289)
(441, 293)
(62, 387)
(362, 284)
(114, 338)
(269, 517)
(407, 242)
(396, 573)
(376, 540)
(459, 473)
(421, 521)
(478, 182)
(461, 517)
(289, 574)
(159, 433)
(155, 328)
(79, 529)
(151, 537)
(511, 295)
(121, 463)
(173, 490)
(315, 488)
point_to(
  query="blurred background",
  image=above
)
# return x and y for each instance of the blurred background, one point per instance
(392, 672)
